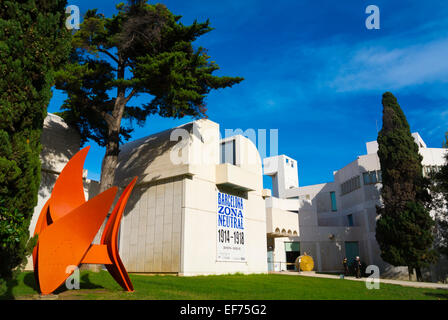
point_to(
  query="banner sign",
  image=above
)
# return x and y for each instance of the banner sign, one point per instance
(230, 228)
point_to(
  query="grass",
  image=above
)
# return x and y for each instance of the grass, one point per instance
(101, 286)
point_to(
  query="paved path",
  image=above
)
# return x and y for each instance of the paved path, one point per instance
(390, 281)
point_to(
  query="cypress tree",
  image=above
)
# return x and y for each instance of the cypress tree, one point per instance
(404, 229)
(33, 42)
(440, 203)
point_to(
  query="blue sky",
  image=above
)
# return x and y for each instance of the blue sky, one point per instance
(314, 71)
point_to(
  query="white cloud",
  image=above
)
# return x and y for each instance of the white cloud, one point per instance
(388, 68)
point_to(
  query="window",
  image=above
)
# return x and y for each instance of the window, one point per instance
(430, 170)
(366, 178)
(350, 185)
(287, 160)
(228, 152)
(379, 175)
(333, 201)
(373, 178)
(425, 171)
(350, 220)
(292, 164)
(370, 177)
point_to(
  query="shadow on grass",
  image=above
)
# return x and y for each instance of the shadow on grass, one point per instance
(6, 289)
(85, 283)
(437, 295)
(30, 281)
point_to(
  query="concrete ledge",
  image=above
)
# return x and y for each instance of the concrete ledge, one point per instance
(233, 176)
(427, 285)
(281, 223)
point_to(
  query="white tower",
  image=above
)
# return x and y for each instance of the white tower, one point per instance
(284, 173)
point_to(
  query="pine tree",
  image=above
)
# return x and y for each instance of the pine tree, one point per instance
(143, 49)
(33, 42)
(404, 229)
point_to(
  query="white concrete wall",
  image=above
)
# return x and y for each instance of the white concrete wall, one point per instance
(283, 204)
(433, 156)
(59, 144)
(317, 222)
(171, 224)
(282, 222)
(284, 173)
(150, 235)
(199, 238)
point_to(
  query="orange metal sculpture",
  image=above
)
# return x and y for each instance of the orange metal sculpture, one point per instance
(67, 226)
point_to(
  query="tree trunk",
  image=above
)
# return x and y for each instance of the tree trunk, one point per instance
(113, 144)
(418, 272)
(108, 167)
(110, 160)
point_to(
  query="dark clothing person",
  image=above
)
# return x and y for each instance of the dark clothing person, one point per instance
(345, 263)
(357, 267)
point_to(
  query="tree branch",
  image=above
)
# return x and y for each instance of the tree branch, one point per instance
(109, 54)
(107, 117)
(133, 92)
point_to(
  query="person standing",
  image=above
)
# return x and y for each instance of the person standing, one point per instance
(345, 264)
(298, 260)
(357, 266)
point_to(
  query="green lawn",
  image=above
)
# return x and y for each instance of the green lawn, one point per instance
(228, 287)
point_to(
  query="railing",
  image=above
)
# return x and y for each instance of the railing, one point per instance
(280, 266)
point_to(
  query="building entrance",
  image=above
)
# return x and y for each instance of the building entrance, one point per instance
(351, 252)
(292, 252)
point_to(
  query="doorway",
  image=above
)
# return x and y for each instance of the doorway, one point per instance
(292, 253)
(351, 251)
(270, 261)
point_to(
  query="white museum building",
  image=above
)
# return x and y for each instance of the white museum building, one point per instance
(199, 206)
(336, 219)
